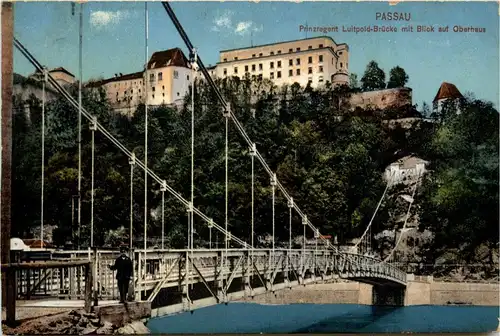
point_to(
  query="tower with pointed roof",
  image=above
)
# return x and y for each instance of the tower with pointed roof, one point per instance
(447, 92)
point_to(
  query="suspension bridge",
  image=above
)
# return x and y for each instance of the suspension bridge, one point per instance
(194, 277)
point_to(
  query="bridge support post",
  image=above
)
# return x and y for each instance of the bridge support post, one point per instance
(287, 269)
(388, 295)
(131, 292)
(219, 277)
(269, 272)
(186, 303)
(246, 276)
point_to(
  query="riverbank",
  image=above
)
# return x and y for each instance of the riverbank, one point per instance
(72, 322)
(419, 291)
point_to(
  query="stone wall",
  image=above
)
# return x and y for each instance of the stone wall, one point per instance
(481, 294)
(340, 292)
(25, 91)
(382, 98)
(419, 291)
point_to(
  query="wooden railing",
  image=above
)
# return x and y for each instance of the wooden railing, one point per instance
(11, 272)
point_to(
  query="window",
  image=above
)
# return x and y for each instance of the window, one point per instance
(321, 46)
(298, 61)
(187, 77)
(225, 59)
(163, 94)
(340, 64)
(347, 65)
(320, 68)
(279, 51)
(271, 75)
(278, 74)
(139, 90)
(260, 54)
(298, 49)
(271, 53)
(152, 77)
(321, 58)
(236, 58)
(290, 62)
(290, 73)
(153, 89)
(176, 74)
(163, 87)
(332, 61)
(160, 76)
(153, 96)
(260, 66)
(310, 60)
(117, 93)
(298, 72)
(225, 72)
(253, 76)
(235, 70)
(340, 52)
(260, 76)
(310, 70)
(309, 80)
(310, 47)
(253, 67)
(271, 65)
(178, 94)
(279, 64)
(320, 79)
(131, 91)
(246, 68)
(253, 55)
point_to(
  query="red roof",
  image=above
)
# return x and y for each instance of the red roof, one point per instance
(447, 90)
(174, 57)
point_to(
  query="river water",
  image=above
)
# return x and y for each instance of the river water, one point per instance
(323, 318)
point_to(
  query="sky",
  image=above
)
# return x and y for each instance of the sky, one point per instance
(114, 37)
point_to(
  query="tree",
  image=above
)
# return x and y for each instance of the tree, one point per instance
(397, 78)
(373, 78)
(353, 81)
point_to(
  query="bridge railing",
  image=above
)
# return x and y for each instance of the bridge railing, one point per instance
(153, 267)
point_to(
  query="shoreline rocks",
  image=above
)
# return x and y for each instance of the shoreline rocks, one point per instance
(75, 322)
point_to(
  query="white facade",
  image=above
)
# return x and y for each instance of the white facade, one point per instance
(315, 60)
(406, 168)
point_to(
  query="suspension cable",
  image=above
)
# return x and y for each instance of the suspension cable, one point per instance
(252, 156)
(406, 220)
(389, 184)
(193, 75)
(146, 52)
(226, 108)
(130, 231)
(80, 48)
(163, 189)
(114, 141)
(93, 128)
(43, 158)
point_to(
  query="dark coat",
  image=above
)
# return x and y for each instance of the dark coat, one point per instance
(123, 266)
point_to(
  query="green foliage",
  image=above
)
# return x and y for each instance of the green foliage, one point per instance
(353, 81)
(460, 198)
(397, 78)
(373, 78)
(329, 159)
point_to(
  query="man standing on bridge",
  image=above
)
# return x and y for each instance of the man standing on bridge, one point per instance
(123, 266)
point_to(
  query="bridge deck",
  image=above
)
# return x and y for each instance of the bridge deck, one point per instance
(178, 280)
